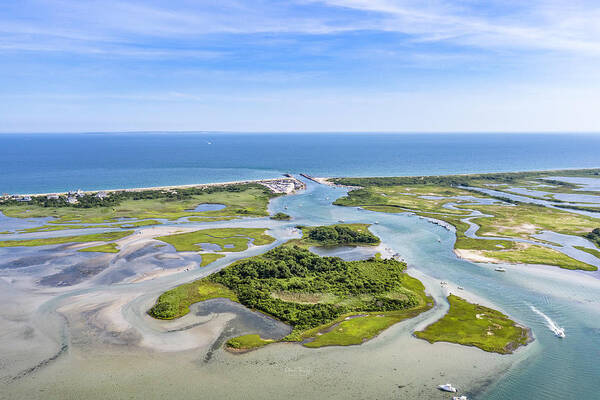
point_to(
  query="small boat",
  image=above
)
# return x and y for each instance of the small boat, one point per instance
(461, 288)
(460, 398)
(439, 241)
(499, 269)
(376, 222)
(341, 221)
(560, 332)
(447, 388)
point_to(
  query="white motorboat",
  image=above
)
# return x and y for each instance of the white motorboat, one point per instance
(560, 332)
(500, 269)
(460, 398)
(461, 288)
(447, 388)
(376, 222)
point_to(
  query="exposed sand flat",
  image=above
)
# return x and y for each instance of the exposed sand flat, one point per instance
(476, 256)
(326, 181)
(162, 272)
(148, 234)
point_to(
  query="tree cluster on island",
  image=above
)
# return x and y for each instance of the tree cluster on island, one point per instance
(371, 285)
(338, 235)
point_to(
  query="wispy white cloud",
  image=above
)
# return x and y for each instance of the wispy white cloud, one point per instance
(536, 24)
(570, 26)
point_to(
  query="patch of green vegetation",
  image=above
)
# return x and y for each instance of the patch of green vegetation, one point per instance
(238, 238)
(594, 252)
(208, 258)
(55, 227)
(339, 235)
(97, 237)
(303, 279)
(52, 228)
(466, 243)
(356, 329)
(137, 224)
(295, 269)
(247, 342)
(526, 220)
(175, 303)
(474, 325)
(210, 219)
(404, 198)
(313, 294)
(471, 179)
(281, 217)
(594, 236)
(103, 248)
(240, 200)
(532, 254)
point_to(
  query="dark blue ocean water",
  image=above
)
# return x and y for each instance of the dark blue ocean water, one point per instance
(37, 163)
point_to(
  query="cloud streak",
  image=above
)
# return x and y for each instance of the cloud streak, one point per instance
(539, 24)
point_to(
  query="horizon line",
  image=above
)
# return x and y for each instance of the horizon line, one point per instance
(297, 132)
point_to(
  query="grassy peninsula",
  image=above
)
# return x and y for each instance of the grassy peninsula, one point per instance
(240, 200)
(474, 325)
(247, 342)
(326, 300)
(453, 198)
(97, 237)
(103, 248)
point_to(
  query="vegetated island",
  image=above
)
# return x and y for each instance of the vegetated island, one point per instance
(501, 221)
(327, 301)
(281, 217)
(475, 325)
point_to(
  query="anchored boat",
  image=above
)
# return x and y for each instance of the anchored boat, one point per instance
(447, 388)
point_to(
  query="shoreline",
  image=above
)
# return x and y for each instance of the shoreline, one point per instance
(265, 182)
(321, 180)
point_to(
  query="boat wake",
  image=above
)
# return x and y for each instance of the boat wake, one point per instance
(557, 330)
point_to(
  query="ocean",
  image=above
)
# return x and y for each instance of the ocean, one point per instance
(55, 162)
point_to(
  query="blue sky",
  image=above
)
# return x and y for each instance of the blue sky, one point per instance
(299, 65)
